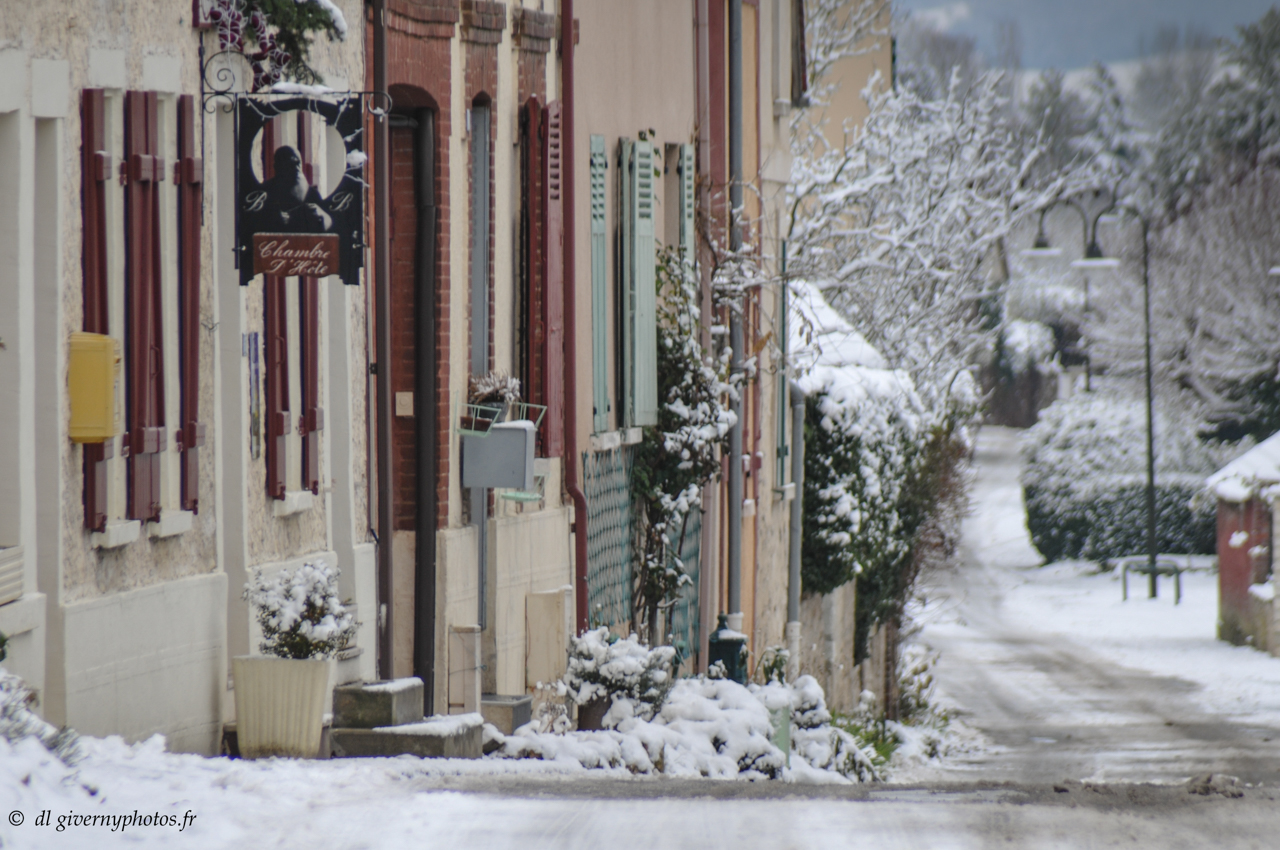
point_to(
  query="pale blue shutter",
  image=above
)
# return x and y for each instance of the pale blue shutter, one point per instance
(644, 362)
(599, 290)
(687, 171)
(626, 309)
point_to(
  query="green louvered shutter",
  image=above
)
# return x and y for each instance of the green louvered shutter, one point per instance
(626, 301)
(687, 171)
(599, 290)
(644, 282)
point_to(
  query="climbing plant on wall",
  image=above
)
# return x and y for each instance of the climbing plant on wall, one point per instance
(281, 30)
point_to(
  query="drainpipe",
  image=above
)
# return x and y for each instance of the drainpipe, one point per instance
(797, 517)
(572, 485)
(735, 315)
(382, 345)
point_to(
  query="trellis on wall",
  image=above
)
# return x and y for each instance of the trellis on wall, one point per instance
(610, 537)
(685, 620)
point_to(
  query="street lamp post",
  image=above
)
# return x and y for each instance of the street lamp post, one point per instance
(1094, 258)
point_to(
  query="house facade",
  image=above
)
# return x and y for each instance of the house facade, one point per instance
(518, 193)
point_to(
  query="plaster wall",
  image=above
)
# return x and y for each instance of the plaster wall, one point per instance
(150, 661)
(102, 634)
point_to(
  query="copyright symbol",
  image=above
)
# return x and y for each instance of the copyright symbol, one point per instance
(15, 818)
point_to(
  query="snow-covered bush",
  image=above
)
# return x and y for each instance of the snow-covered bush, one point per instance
(1085, 480)
(18, 721)
(709, 727)
(621, 671)
(299, 611)
(678, 455)
(1026, 345)
(821, 744)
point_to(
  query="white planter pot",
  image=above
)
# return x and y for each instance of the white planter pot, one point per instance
(280, 705)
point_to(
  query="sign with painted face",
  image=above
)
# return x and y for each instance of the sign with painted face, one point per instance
(284, 225)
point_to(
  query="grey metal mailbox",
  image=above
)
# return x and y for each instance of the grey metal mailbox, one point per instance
(502, 458)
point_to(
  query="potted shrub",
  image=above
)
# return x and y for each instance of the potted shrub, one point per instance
(487, 400)
(281, 695)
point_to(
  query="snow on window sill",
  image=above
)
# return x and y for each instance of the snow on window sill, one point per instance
(171, 524)
(118, 534)
(294, 502)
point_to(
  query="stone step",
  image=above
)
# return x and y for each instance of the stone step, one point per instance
(369, 705)
(508, 713)
(459, 736)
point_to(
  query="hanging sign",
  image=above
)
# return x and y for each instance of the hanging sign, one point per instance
(284, 226)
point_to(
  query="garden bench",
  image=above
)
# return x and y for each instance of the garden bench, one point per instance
(1163, 567)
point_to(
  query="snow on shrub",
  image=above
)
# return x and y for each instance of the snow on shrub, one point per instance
(1085, 480)
(18, 722)
(677, 456)
(863, 426)
(299, 611)
(621, 670)
(877, 463)
(705, 727)
(1024, 345)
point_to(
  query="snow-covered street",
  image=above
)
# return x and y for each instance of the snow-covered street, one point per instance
(1069, 681)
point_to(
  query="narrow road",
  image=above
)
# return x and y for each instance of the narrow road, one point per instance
(1054, 709)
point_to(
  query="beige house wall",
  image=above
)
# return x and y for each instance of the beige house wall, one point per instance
(130, 632)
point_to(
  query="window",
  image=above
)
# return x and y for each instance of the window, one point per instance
(141, 267)
(291, 328)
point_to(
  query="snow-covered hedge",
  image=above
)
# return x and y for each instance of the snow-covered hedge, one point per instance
(1085, 480)
(874, 457)
(299, 611)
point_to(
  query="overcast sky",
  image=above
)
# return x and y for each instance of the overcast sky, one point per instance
(1073, 33)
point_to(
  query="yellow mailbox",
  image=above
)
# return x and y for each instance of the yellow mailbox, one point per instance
(93, 372)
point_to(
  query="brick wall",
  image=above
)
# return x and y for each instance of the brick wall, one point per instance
(419, 70)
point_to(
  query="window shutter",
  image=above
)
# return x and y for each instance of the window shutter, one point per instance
(276, 330)
(626, 309)
(144, 356)
(553, 285)
(312, 421)
(599, 289)
(95, 170)
(687, 170)
(188, 173)
(531, 322)
(644, 364)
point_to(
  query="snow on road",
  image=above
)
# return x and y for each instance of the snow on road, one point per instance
(1068, 680)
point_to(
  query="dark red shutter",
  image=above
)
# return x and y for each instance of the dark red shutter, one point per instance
(553, 298)
(188, 173)
(533, 216)
(95, 170)
(144, 355)
(309, 306)
(276, 330)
